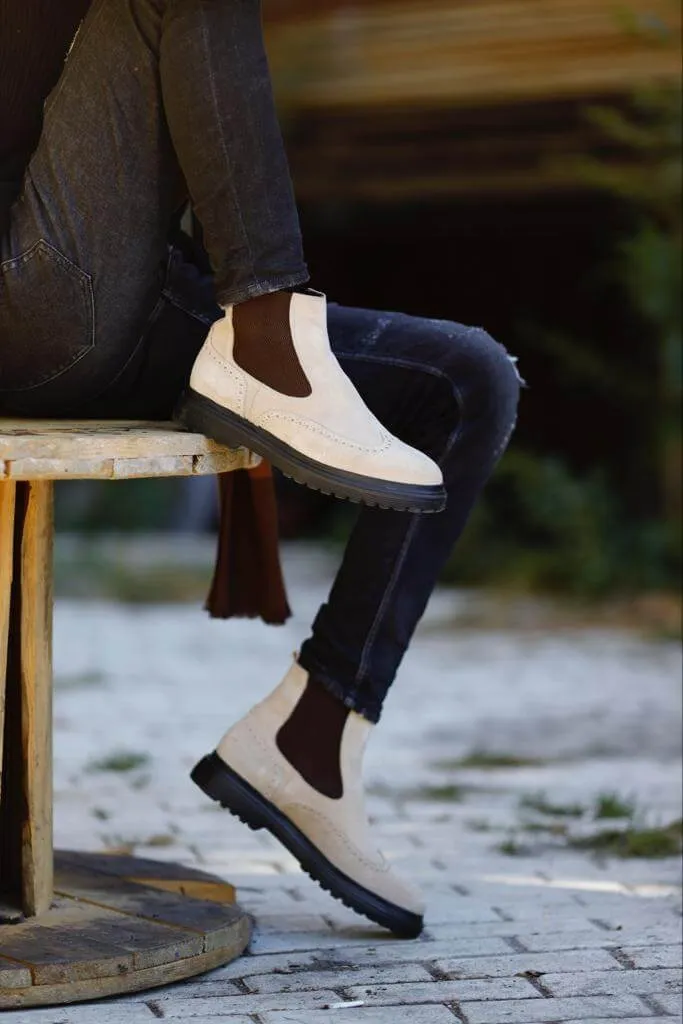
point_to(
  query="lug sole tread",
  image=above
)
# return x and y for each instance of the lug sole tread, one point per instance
(402, 923)
(198, 413)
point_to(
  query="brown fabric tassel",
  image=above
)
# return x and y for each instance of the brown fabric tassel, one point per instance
(247, 580)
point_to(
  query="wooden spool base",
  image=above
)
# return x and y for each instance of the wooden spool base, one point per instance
(118, 924)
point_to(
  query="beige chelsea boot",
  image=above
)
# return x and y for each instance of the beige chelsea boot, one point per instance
(323, 435)
(330, 838)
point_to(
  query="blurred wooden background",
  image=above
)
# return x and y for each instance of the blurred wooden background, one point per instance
(393, 101)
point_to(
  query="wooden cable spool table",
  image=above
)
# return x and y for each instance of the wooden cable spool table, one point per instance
(77, 926)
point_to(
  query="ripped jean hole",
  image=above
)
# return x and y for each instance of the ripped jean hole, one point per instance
(515, 360)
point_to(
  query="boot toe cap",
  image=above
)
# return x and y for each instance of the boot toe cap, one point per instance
(401, 893)
(411, 466)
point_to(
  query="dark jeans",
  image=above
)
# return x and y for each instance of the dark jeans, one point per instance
(158, 99)
(99, 318)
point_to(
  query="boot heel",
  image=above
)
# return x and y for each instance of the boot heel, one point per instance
(225, 787)
(195, 414)
(231, 791)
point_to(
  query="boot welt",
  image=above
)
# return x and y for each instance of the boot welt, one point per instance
(235, 794)
(204, 416)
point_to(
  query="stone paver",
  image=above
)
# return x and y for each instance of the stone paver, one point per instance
(654, 956)
(598, 983)
(552, 936)
(570, 962)
(669, 1003)
(370, 1015)
(542, 1010)
(100, 1013)
(443, 991)
(631, 1020)
(385, 976)
(613, 938)
(175, 1006)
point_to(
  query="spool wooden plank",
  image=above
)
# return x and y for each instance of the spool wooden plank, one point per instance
(7, 498)
(36, 685)
(13, 975)
(12, 805)
(110, 450)
(135, 981)
(139, 900)
(63, 439)
(71, 952)
(185, 881)
(83, 950)
(128, 469)
(77, 941)
(58, 469)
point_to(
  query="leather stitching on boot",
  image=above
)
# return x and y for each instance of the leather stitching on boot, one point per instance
(317, 428)
(237, 375)
(381, 868)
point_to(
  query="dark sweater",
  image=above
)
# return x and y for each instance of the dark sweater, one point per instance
(35, 36)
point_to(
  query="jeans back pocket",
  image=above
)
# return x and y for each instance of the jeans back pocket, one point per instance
(47, 317)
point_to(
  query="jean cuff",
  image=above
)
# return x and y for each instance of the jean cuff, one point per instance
(255, 288)
(348, 695)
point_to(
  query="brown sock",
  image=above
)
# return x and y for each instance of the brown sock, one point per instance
(264, 346)
(311, 739)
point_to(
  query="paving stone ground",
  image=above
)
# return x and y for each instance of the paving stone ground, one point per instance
(549, 934)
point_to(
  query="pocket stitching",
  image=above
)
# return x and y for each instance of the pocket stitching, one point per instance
(85, 285)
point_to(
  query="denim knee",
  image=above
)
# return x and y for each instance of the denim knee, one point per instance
(498, 382)
(487, 384)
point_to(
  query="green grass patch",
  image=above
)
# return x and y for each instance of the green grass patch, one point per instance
(488, 761)
(447, 793)
(79, 682)
(120, 761)
(151, 585)
(511, 847)
(539, 804)
(651, 843)
(90, 574)
(611, 805)
(553, 828)
(479, 825)
(160, 840)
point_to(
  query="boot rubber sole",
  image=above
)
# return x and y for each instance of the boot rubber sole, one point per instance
(236, 795)
(203, 416)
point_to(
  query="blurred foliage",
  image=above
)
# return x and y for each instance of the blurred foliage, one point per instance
(132, 506)
(648, 263)
(540, 525)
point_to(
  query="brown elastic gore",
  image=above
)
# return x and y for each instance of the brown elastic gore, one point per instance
(264, 347)
(311, 739)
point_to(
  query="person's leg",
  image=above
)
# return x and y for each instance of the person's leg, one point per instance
(156, 97)
(448, 388)
(452, 391)
(160, 96)
(294, 764)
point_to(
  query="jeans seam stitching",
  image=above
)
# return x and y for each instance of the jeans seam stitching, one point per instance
(178, 304)
(228, 177)
(407, 364)
(391, 586)
(422, 367)
(77, 40)
(388, 593)
(149, 323)
(263, 286)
